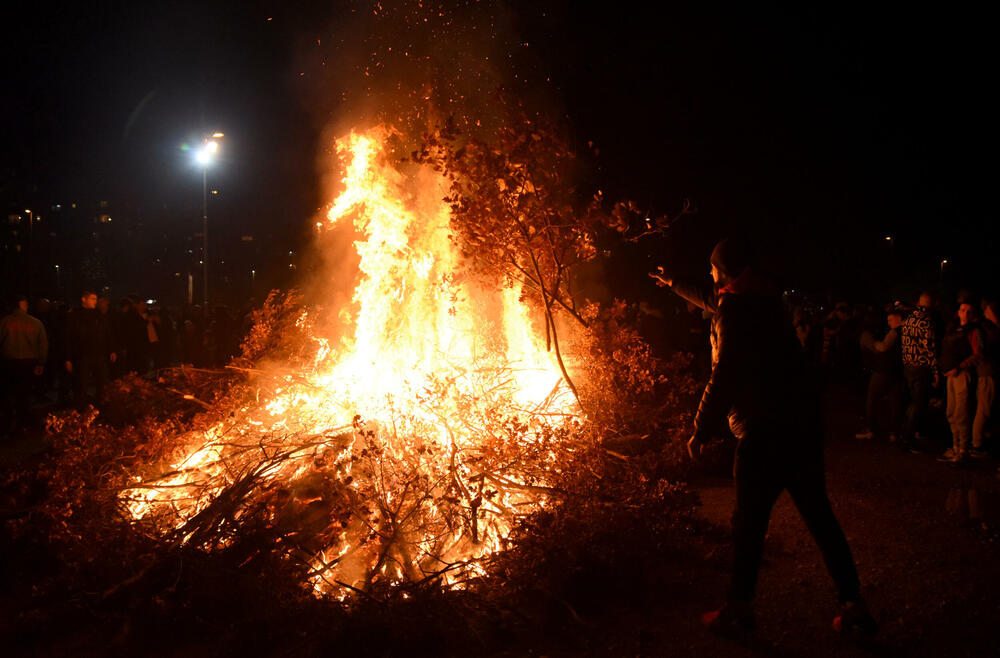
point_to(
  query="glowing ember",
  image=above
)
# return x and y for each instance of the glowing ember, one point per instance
(415, 443)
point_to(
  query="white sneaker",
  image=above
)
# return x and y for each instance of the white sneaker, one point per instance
(949, 456)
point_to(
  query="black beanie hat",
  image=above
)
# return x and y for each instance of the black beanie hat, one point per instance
(731, 257)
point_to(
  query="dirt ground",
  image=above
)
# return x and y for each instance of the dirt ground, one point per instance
(925, 536)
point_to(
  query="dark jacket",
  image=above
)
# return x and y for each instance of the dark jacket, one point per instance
(884, 356)
(88, 335)
(22, 336)
(962, 347)
(758, 376)
(990, 334)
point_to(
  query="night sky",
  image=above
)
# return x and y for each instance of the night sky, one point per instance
(821, 131)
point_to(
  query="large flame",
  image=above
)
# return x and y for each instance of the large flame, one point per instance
(413, 416)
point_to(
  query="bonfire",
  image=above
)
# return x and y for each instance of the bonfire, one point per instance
(405, 448)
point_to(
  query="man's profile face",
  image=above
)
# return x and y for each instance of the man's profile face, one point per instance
(716, 275)
(89, 301)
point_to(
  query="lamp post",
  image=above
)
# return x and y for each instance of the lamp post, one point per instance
(204, 156)
(31, 253)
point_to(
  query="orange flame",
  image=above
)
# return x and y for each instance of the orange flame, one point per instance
(441, 364)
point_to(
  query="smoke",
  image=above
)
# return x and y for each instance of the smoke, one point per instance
(414, 66)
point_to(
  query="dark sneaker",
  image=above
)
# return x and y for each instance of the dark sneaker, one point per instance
(854, 619)
(731, 620)
(978, 453)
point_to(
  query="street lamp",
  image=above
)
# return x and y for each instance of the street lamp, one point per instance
(204, 156)
(31, 259)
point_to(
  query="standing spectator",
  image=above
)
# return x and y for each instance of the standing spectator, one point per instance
(24, 348)
(136, 335)
(167, 331)
(847, 349)
(57, 353)
(223, 336)
(961, 351)
(919, 344)
(758, 380)
(44, 311)
(120, 338)
(886, 380)
(193, 337)
(985, 390)
(88, 348)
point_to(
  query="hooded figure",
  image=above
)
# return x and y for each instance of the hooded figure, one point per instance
(759, 383)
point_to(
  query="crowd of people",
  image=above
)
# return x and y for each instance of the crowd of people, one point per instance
(63, 356)
(921, 366)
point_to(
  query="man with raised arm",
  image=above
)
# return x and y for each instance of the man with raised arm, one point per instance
(759, 381)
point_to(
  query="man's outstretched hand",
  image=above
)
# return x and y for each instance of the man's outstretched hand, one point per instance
(661, 278)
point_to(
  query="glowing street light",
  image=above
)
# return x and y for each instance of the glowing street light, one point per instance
(206, 154)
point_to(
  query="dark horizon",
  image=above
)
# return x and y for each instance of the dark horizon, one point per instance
(821, 132)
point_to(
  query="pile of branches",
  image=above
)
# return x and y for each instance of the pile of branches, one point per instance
(77, 554)
(253, 542)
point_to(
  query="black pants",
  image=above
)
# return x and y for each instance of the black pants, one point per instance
(87, 370)
(885, 385)
(18, 382)
(763, 471)
(919, 381)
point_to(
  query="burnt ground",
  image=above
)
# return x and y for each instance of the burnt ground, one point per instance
(925, 536)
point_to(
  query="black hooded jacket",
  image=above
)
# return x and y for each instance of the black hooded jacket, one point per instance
(758, 376)
(88, 335)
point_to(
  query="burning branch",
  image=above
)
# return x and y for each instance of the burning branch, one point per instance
(410, 449)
